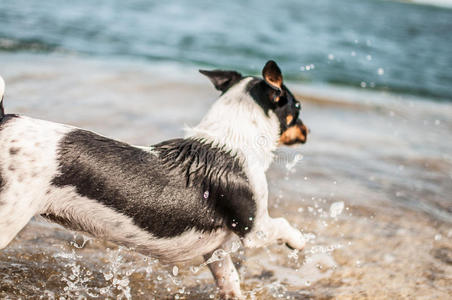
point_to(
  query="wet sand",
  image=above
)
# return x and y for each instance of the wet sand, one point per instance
(371, 190)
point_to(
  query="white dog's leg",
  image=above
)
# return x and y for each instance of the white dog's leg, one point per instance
(269, 230)
(13, 217)
(225, 275)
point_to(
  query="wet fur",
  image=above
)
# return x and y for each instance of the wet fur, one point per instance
(182, 184)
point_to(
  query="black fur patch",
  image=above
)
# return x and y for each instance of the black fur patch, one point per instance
(221, 79)
(260, 92)
(262, 95)
(189, 184)
(14, 150)
(2, 110)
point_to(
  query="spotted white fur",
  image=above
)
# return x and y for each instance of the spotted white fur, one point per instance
(27, 165)
(28, 162)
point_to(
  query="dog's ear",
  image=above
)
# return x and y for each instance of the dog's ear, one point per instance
(273, 77)
(222, 80)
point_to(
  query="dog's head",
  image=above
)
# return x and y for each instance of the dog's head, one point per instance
(272, 95)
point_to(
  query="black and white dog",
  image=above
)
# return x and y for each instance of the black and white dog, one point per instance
(176, 200)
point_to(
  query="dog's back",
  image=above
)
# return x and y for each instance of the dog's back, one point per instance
(113, 190)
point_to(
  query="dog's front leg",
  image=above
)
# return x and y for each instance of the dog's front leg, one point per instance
(225, 274)
(269, 230)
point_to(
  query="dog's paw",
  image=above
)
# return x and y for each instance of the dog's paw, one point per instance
(296, 240)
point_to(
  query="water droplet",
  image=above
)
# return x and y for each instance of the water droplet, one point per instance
(438, 237)
(159, 278)
(260, 234)
(296, 159)
(175, 271)
(380, 71)
(330, 56)
(307, 283)
(206, 194)
(293, 254)
(336, 209)
(235, 246)
(363, 84)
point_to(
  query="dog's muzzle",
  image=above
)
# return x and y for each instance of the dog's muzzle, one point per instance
(295, 134)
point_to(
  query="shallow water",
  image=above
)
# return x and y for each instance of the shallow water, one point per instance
(371, 190)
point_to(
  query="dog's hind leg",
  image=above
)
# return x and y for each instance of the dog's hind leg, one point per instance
(225, 274)
(15, 213)
(11, 222)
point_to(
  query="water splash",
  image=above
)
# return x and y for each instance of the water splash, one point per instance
(76, 281)
(117, 275)
(291, 164)
(217, 255)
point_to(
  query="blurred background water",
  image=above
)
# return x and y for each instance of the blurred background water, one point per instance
(371, 189)
(383, 45)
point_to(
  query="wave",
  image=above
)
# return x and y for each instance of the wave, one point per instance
(440, 3)
(32, 45)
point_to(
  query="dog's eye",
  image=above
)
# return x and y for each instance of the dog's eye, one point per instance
(297, 105)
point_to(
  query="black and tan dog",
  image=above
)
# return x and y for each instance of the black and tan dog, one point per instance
(176, 200)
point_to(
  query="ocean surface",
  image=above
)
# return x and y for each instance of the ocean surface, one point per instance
(371, 189)
(382, 45)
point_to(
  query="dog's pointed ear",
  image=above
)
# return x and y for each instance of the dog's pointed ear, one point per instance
(222, 80)
(272, 75)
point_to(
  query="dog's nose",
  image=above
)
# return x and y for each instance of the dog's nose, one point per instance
(305, 131)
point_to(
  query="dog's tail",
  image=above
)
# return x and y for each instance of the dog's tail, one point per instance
(2, 91)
